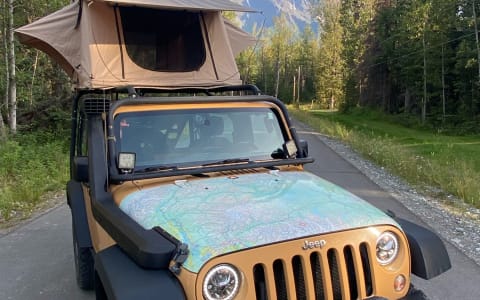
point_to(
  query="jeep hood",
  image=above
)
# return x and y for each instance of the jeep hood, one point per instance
(219, 215)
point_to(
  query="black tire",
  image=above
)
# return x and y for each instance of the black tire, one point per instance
(84, 269)
(414, 294)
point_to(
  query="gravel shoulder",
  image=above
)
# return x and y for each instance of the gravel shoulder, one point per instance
(455, 221)
(47, 203)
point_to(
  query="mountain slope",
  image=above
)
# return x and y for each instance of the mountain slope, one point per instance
(296, 11)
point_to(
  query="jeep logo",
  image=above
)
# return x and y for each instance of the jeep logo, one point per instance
(314, 244)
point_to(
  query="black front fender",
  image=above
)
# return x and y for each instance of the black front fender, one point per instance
(428, 253)
(76, 202)
(123, 279)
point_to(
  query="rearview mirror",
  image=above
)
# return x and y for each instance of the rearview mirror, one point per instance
(303, 152)
(80, 168)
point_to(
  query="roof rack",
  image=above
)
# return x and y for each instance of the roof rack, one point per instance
(113, 93)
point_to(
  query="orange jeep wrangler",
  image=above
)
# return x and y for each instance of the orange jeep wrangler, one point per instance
(187, 185)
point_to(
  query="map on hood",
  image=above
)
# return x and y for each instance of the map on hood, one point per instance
(219, 215)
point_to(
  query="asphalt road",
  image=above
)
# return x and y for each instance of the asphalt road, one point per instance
(36, 260)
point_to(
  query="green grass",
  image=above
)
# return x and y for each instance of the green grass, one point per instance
(30, 165)
(420, 156)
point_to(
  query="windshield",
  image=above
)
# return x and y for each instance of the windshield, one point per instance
(199, 136)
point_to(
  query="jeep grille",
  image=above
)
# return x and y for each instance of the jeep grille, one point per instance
(340, 265)
(317, 271)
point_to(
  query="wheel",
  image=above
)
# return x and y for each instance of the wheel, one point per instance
(84, 269)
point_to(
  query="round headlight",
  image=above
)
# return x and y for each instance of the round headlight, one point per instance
(387, 248)
(222, 282)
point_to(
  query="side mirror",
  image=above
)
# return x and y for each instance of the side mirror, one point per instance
(303, 151)
(80, 168)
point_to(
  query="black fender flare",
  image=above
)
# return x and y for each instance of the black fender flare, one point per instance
(122, 279)
(76, 202)
(429, 257)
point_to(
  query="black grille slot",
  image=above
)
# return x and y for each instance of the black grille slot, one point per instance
(317, 275)
(260, 283)
(367, 271)
(299, 278)
(335, 274)
(352, 280)
(280, 282)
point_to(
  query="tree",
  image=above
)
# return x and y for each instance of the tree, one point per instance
(23, 86)
(11, 83)
(330, 67)
(3, 69)
(356, 17)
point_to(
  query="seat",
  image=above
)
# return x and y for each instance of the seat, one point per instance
(212, 134)
(243, 138)
(146, 142)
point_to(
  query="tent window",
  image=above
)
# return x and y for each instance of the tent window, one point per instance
(165, 41)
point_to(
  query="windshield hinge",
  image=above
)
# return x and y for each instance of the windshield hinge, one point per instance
(179, 258)
(181, 252)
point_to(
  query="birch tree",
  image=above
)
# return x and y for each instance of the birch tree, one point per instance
(12, 85)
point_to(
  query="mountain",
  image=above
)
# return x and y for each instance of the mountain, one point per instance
(296, 11)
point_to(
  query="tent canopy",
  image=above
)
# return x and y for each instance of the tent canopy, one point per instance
(213, 5)
(142, 43)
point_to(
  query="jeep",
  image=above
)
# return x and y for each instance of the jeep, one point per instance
(186, 184)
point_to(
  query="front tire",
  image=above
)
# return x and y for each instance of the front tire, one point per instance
(84, 269)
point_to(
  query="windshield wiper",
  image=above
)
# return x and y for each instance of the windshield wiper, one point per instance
(228, 161)
(159, 168)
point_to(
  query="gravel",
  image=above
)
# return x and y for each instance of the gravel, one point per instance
(455, 221)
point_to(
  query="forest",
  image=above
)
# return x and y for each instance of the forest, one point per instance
(415, 58)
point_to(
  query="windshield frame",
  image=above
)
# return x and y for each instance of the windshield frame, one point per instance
(187, 137)
(139, 104)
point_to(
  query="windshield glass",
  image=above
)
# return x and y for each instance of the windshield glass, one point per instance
(198, 136)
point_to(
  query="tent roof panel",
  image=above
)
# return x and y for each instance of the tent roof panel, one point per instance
(213, 5)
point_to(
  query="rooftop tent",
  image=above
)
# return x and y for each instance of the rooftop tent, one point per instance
(142, 43)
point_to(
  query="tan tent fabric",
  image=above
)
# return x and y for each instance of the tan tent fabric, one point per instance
(215, 5)
(92, 54)
(239, 39)
(55, 35)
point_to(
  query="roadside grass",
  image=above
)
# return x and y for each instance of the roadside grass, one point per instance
(31, 164)
(423, 158)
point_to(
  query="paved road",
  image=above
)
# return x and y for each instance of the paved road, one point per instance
(36, 260)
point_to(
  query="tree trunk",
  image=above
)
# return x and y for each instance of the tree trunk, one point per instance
(407, 101)
(424, 102)
(33, 76)
(264, 72)
(277, 78)
(12, 86)
(476, 38)
(443, 85)
(294, 88)
(4, 106)
(299, 84)
(3, 132)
